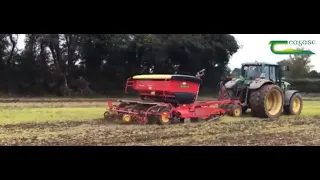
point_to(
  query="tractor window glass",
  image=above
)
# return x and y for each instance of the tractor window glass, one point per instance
(273, 73)
(253, 72)
(266, 72)
(244, 71)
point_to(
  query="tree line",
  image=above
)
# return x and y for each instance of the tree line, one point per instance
(99, 64)
(300, 75)
(87, 64)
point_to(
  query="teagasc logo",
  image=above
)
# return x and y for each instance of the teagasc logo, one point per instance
(291, 50)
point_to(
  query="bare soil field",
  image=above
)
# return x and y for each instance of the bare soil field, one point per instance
(284, 132)
(81, 124)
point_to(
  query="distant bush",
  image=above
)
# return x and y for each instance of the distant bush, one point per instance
(306, 85)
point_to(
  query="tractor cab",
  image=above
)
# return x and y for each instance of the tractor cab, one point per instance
(253, 71)
(262, 70)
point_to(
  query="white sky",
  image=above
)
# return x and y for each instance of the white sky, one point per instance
(255, 48)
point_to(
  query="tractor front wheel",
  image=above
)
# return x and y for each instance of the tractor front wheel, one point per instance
(267, 102)
(295, 105)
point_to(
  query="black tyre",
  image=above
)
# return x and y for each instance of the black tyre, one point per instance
(236, 110)
(267, 102)
(165, 117)
(295, 105)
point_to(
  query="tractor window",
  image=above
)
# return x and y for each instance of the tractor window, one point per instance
(266, 72)
(252, 72)
(273, 73)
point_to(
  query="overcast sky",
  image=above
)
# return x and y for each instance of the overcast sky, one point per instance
(255, 47)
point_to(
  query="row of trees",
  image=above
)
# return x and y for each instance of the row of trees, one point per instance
(300, 67)
(67, 64)
(82, 64)
(300, 76)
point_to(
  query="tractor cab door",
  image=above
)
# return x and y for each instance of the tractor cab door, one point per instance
(270, 73)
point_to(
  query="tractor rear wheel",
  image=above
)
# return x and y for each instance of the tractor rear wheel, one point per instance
(295, 105)
(267, 102)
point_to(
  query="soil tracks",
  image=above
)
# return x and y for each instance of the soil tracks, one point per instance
(297, 131)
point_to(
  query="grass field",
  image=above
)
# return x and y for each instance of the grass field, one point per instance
(80, 123)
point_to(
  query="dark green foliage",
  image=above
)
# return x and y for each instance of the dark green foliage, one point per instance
(85, 64)
(300, 75)
(305, 85)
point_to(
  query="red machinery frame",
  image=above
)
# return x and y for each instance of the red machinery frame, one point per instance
(165, 88)
(203, 110)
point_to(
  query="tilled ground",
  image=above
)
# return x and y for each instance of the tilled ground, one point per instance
(294, 131)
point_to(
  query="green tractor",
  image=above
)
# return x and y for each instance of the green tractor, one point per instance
(262, 88)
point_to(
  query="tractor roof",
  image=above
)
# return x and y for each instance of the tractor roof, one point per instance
(259, 63)
(167, 76)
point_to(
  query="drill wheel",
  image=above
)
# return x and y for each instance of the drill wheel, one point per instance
(236, 110)
(126, 118)
(109, 116)
(165, 117)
